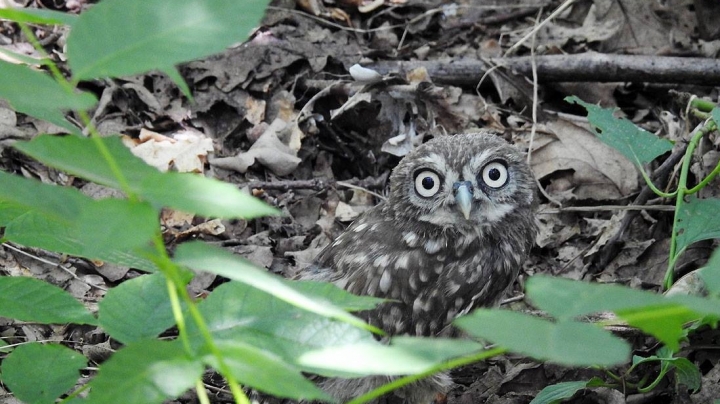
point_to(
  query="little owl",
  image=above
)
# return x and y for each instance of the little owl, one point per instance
(452, 236)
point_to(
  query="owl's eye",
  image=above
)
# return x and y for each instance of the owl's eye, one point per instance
(495, 174)
(427, 183)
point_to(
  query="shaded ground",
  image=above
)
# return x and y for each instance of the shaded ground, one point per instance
(288, 122)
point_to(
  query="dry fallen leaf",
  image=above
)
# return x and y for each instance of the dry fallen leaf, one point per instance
(268, 150)
(183, 151)
(598, 171)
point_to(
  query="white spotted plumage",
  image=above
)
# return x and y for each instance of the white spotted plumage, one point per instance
(438, 250)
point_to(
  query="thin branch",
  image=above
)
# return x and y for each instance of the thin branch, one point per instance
(589, 66)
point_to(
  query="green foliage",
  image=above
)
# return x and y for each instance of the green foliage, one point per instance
(257, 329)
(40, 96)
(698, 220)
(28, 299)
(565, 342)
(637, 144)
(663, 317)
(155, 34)
(151, 311)
(149, 371)
(558, 392)
(59, 371)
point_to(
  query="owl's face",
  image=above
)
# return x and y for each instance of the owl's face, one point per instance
(466, 182)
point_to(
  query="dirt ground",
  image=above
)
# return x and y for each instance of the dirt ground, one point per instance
(292, 121)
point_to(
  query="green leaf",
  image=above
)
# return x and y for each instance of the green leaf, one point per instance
(124, 37)
(29, 299)
(565, 342)
(665, 322)
(403, 356)
(137, 309)
(115, 225)
(37, 16)
(698, 220)
(145, 372)
(266, 372)
(64, 220)
(558, 392)
(186, 192)
(337, 296)
(715, 113)
(566, 299)
(202, 257)
(237, 312)
(10, 211)
(36, 94)
(711, 273)
(55, 367)
(687, 373)
(637, 144)
(655, 314)
(256, 331)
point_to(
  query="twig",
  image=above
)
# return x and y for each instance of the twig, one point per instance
(589, 66)
(537, 27)
(663, 208)
(319, 184)
(55, 264)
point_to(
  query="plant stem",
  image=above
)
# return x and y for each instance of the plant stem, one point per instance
(679, 201)
(702, 105)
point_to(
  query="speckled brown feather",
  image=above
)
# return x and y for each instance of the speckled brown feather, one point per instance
(422, 253)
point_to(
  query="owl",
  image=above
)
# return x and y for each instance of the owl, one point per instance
(452, 236)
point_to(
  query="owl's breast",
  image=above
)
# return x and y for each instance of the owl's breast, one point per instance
(429, 277)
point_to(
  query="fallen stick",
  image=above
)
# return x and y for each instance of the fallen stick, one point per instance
(591, 66)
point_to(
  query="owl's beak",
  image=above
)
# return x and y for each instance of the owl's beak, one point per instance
(463, 196)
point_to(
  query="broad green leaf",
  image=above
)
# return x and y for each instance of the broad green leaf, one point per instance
(124, 37)
(237, 312)
(36, 94)
(64, 220)
(29, 299)
(665, 322)
(115, 225)
(337, 296)
(147, 372)
(403, 356)
(687, 373)
(564, 342)
(53, 367)
(557, 392)
(186, 192)
(637, 144)
(698, 219)
(566, 299)
(663, 317)
(137, 309)
(266, 371)
(60, 203)
(10, 211)
(203, 257)
(37, 16)
(711, 273)
(715, 113)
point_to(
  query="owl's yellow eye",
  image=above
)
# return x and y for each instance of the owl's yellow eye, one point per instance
(427, 183)
(495, 174)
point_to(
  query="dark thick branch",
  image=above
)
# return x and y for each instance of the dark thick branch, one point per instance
(593, 67)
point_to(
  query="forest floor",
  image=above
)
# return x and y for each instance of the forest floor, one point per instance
(290, 123)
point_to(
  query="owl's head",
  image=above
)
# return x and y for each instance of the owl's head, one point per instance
(468, 181)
